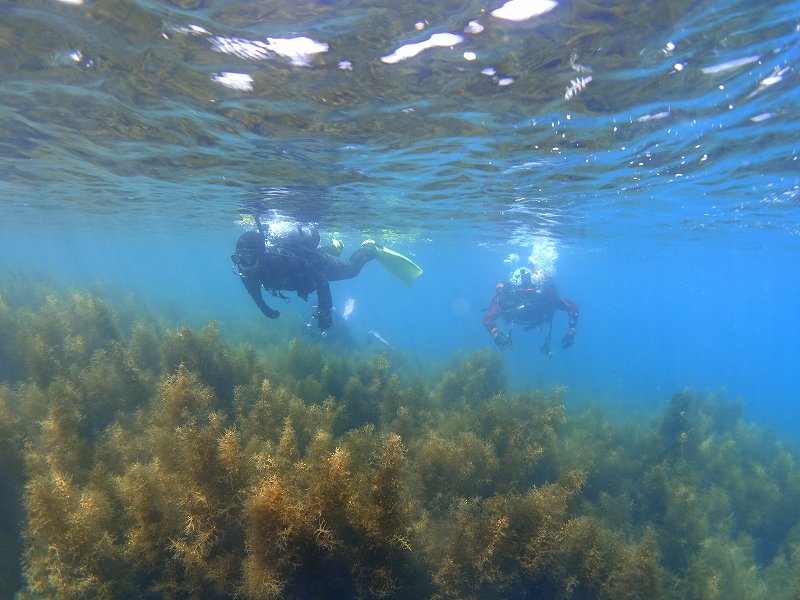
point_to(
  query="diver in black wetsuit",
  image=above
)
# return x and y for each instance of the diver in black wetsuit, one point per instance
(287, 258)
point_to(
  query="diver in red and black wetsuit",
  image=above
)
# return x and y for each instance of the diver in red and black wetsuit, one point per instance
(531, 301)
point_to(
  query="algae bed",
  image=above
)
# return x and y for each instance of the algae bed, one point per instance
(141, 460)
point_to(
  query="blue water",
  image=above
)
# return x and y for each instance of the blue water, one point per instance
(668, 183)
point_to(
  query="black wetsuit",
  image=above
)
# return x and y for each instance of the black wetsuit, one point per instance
(303, 270)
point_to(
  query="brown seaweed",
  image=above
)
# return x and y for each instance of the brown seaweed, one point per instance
(149, 461)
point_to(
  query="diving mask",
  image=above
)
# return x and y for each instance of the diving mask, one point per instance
(245, 260)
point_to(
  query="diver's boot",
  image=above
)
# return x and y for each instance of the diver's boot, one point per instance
(370, 248)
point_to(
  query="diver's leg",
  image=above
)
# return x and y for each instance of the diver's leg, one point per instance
(337, 268)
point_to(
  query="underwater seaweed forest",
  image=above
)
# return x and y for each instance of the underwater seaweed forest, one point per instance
(142, 460)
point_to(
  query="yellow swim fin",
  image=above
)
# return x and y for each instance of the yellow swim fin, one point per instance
(402, 267)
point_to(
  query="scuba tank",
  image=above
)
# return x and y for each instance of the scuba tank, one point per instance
(291, 234)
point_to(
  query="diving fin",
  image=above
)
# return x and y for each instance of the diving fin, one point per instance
(402, 267)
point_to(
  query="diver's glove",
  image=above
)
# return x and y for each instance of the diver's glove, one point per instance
(272, 313)
(569, 338)
(501, 340)
(324, 320)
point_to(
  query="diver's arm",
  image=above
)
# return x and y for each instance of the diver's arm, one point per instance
(254, 289)
(572, 320)
(572, 311)
(501, 339)
(490, 318)
(324, 303)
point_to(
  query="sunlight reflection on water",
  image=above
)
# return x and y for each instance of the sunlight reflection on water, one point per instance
(525, 116)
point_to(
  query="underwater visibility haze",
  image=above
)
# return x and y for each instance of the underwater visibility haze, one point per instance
(162, 438)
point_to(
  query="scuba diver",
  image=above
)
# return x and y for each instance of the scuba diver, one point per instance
(532, 300)
(287, 257)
